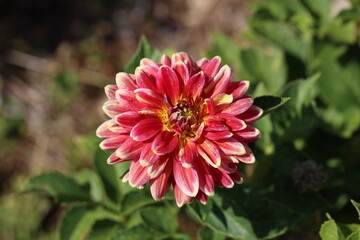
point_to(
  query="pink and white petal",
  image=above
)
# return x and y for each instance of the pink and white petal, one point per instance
(227, 165)
(113, 143)
(150, 70)
(112, 108)
(210, 153)
(187, 154)
(248, 157)
(158, 167)
(125, 80)
(110, 91)
(146, 129)
(186, 179)
(212, 67)
(125, 178)
(182, 57)
(235, 124)
(214, 123)
(165, 60)
(231, 147)
(165, 142)
(222, 80)
(138, 175)
(130, 149)
(150, 98)
(198, 133)
(167, 81)
(218, 135)
(183, 72)
(203, 198)
(206, 182)
(201, 62)
(238, 89)
(103, 131)
(252, 114)
(160, 185)
(113, 159)
(236, 177)
(180, 197)
(143, 80)
(116, 128)
(238, 107)
(249, 134)
(222, 99)
(128, 119)
(127, 100)
(147, 157)
(148, 62)
(221, 178)
(195, 86)
(208, 107)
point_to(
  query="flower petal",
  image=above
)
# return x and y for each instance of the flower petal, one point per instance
(127, 100)
(112, 159)
(165, 60)
(249, 134)
(252, 114)
(231, 146)
(239, 106)
(218, 135)
(214, 123)
(147, 157)
(222, 80)
(180, 197)
(110, 91)
(195, 86)
(128, 119)
(143, 80)
(112, 108)
(238, 89)
(188, 154)
(235, 124)
(125, 80)
(130, 149)
(103, 131)
(212, 67)
(160, 185)
(158, 167)
(113, 143)
(150, 97)
(165, 142)
(210, 152)
(221, 178)
(186, 179)
(138, 175)
(206, 182)
(168, 83)
(146, 129)
(183, 72)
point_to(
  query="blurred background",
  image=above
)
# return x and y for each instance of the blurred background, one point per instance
(55, 59)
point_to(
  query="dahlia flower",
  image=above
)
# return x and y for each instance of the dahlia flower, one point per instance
(182, 124)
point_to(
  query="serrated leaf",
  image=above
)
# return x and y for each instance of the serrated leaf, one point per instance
(135, 200)
(270, 103)
(64, 189)
(144, 50)
(159, 219)
(96, 186)
(139, 232)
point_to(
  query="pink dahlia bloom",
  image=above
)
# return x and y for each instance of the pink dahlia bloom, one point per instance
(182, 124)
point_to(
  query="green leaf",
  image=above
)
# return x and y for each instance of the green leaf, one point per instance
(266, 65)
(225, 217)
(107, 175)
(355, 235)
(91, 178)
(64, 189)
(103, 230)
(135, 200)
(270, 103)
(329, 230)
(159, 219)
(144, 50)
(139, 232)
(321, 8)
(357, 206)
(208, 234)
(349, 229)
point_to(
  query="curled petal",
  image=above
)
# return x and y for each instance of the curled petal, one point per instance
(146, 129)
(231, 146)
(150, 97)
(110, 91)
(210, 152)
(113, 143)
(112, 159)
(202, 197)
(235, 124)
(206, 182)
(168, 83)
(165, 60)
(248, 157)
(143, 80)
(214, 123)
(183, 72)
(103, 131)
(218, 135)
(112, 108)
(128, 119)
(130, 149)
(239, 106)
(186, 179)
(159, 166)
(125, 80)
(212, 67)
(127, 100)
(221, 178)
(165, 142)
(222, 80)
(195, 86)
(238, 89)
(249, 134)
(147, 157)
(252, 114)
